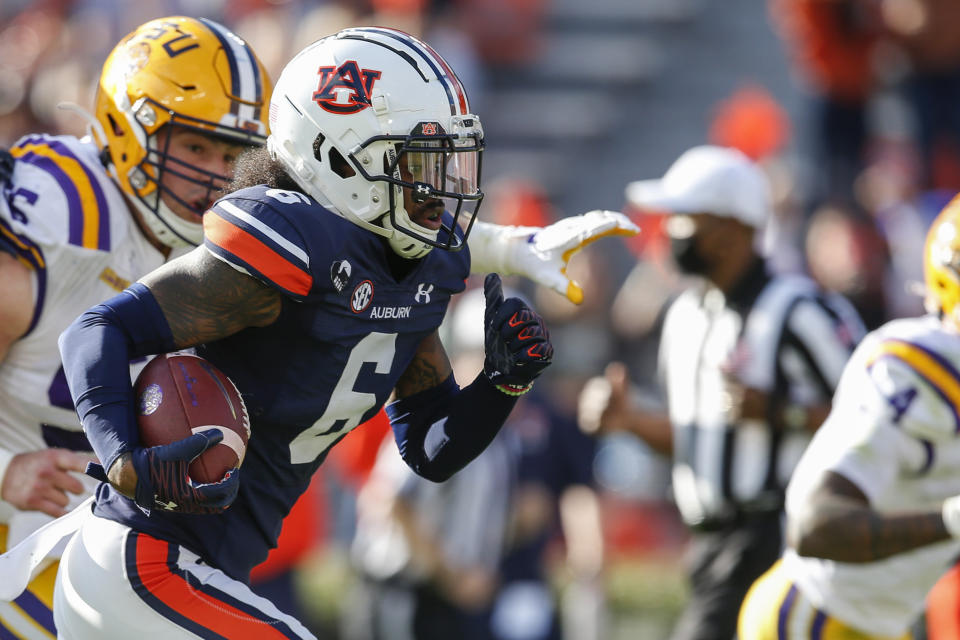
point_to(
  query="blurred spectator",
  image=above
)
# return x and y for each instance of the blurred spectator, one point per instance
(749, 361)
(552, 495)
(926, 31)
(833, 44)
(879, 70)
(505, 32)
(429, 552)
(847, 254)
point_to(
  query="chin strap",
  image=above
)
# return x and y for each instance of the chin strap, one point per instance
(404, 245)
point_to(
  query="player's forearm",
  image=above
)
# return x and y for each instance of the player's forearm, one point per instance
(839, 524)
(439, 431)
(96, 350)
(862, 535)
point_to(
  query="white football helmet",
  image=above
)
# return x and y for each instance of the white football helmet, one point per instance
(361, 114)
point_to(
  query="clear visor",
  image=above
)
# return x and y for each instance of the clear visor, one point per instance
(446, 171)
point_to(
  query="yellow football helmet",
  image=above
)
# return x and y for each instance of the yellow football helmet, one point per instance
(177, 72)
(941, 263)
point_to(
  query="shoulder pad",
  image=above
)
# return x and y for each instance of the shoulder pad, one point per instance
(921, 387)
(260, 231)
(61, 194)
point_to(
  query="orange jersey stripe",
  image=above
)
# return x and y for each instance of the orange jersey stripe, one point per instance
(251, 250)
(172, 590)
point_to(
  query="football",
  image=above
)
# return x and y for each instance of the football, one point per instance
(179, 394)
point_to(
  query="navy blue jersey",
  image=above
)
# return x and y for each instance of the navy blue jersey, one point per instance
(347, 330)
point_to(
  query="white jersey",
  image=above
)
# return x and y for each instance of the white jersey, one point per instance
(895, 433)
(65, 218)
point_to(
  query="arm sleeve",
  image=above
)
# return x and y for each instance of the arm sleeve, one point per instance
(440, 430)
(96, 351)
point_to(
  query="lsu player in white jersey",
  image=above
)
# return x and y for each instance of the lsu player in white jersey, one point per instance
(873, 508)
(80, 219)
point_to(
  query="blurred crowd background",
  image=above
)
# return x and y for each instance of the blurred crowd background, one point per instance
(849, 105)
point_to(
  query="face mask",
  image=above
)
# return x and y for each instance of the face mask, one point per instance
(686, 256)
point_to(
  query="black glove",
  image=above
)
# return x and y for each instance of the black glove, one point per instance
(163, 483)
(516, 342)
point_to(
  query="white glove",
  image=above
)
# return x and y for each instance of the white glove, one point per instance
(951, 516)
(542, 254)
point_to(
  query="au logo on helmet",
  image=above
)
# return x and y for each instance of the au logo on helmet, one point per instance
(345, 89)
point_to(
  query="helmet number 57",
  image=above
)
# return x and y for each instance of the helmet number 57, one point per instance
(168, 46)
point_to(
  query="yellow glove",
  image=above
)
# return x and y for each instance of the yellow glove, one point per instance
(542, 253)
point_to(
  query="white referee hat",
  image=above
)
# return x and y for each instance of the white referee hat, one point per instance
(708, 179)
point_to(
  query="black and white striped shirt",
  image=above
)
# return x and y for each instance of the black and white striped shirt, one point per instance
(779, 334)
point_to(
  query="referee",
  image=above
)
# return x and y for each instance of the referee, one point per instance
(749, 361)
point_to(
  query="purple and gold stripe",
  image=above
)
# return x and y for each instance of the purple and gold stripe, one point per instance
(819, 623)
(783, 615)
(89, 216)
(30, 615)
(21, 247)
(932, 367)
(34, 609)
(775, 608)
(30, 254)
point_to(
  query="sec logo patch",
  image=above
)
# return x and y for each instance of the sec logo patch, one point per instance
(362, 296)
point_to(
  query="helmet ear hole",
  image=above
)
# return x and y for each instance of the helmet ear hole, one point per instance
(339, 164)
(117, 131)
